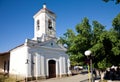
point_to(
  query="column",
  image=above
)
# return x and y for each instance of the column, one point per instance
(60, 66)
(42, 62)
(68, 66)
(57, 68)
(37, 63)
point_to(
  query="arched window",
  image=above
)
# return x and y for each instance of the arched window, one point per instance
(49, 24)
(38, 25)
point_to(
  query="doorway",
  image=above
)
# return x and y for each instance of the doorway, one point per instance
(52, 68)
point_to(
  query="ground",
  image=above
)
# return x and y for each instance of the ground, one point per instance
(75, 78)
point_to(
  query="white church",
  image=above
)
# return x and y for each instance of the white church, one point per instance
(41, 57)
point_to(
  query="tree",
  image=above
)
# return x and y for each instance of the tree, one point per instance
(116, 24)
(67, 39)
(81, 42)
(75, 41)
(104, 44)
(116, 1)
(106, 50)
(116, 28)
(97, 43)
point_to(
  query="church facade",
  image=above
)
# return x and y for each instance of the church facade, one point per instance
(40, 57)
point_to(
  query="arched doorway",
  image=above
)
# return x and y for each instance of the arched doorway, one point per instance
(52, 68)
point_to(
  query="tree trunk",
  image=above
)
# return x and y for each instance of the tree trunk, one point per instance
(102, 74)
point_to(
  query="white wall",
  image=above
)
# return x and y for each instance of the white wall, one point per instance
(41, 18)
(44, 55)
(39, 66)
(18, 58)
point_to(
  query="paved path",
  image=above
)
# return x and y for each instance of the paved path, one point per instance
(75, 78)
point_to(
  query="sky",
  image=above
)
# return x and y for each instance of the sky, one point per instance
(17, 24)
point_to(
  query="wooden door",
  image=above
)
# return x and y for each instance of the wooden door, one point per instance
(52, 69)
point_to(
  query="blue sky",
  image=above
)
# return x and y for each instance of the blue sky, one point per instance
(16, 17)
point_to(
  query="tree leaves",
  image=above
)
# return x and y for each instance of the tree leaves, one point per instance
(116, 1)
(104, 44)
(116, 24)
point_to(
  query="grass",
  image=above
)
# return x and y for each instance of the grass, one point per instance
(2, 78)
(6, 79)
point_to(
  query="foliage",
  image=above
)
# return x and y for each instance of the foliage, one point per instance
(104, 44)
(116, 24)
(68, 38)
(116, 1)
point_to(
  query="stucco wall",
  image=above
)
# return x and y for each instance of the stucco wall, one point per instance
(31, 60)
(18, 58)
(44, 55)
(41, 18)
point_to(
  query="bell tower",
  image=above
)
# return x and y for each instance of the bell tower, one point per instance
(44, 24)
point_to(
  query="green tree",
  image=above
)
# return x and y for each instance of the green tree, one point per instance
(104, 50)
(116, 30)
(104, 44)
(67, 39)
(116, 24)
(77, 43)
(116, 1)
(97, 43)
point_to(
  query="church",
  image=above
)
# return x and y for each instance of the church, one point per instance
(40, 57)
